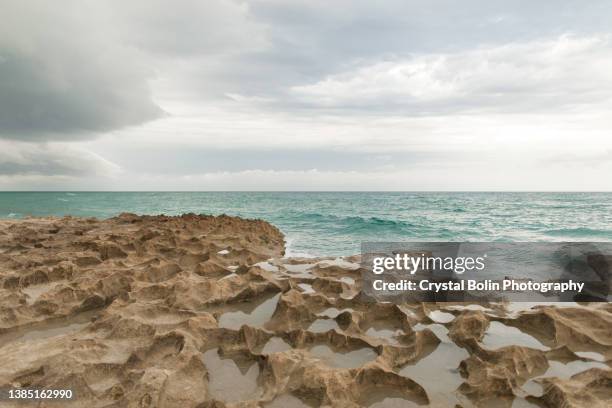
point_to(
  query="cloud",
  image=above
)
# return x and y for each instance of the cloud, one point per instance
(527, 175)
(179, 160)
(51, 160)
(188, 28)
(87, 68)
(601, 158)
(64, 75)
(543, 75)
(84, 68)
(308, 40)
(253, 94)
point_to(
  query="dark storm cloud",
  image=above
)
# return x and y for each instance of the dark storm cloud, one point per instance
(39, 102)
(63, 74)
(73, 69)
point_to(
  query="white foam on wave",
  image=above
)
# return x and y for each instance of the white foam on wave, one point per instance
(291, 253)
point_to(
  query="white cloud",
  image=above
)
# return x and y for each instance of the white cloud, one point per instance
(52, 160)
(543, 75)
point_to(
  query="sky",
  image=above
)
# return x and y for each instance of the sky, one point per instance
(306, 95)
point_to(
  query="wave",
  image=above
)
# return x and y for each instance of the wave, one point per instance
(291, 252)
(457, 210)
(355, 222)
(579, 232)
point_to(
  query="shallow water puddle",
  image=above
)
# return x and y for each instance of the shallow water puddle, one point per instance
(332, 312)
(339, 262)
(439, 330)
(229, 276)
(390, 402)
(298, 268)
(286, 401)
(438, 373)
(386, 397)
(500, 335)
(323, 325)
(275, 345)
(441, 317)
(390, 336)
(347, 280)
(338, 359)
(383, 330)
(267, 266)
(560, 370)
(35, 291)
(300, 271)
(515, 308)
(469, 307)
(306, 288)
(591, 355)
(229, 382)
(250, 313)
(53, 328)
(349, 288)
(523, 403)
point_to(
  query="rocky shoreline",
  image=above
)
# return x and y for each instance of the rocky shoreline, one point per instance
(203, 311)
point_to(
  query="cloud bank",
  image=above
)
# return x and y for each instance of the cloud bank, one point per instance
(274, 94)
(565, 72)
(63, 74)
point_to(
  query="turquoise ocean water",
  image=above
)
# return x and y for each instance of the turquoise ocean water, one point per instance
(336, 223)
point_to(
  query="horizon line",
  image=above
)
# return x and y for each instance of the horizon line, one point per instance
(305, 191)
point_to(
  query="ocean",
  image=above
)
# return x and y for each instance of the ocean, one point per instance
(335, 223)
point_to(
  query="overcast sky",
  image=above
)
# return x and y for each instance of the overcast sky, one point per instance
(305, 95)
